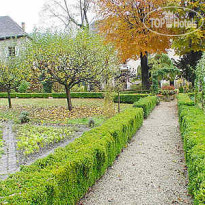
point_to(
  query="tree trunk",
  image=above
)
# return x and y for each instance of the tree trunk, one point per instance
(68, 97)
(9, 98)
(145, 71)
(118, 102)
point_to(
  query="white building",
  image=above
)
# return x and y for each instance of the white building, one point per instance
(12, 36)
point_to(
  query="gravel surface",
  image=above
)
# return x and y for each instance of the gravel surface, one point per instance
(151, 170)
(8, 162)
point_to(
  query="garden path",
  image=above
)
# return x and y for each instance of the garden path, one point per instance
(8, 162)
(151, 170)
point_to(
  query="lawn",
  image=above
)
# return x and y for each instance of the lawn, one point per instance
(55, 110)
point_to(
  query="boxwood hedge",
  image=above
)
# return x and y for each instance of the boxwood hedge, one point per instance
(54, 95)
(124, 98)
(192, 126)
(65, 176)
(147, 103)
(184, 99)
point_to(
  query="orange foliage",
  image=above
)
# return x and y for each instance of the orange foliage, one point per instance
(123, 25)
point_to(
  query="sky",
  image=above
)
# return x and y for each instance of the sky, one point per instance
(23, 11)
(30, 12)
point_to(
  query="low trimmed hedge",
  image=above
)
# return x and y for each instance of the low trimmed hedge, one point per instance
(54, 95)
(65, 176)
(129, 98)
(136, 92)
(192, 126)
(184, 99)
(124, 98)
(147, 103)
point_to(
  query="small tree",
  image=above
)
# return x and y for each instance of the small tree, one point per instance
(71, 60)
(12, 72)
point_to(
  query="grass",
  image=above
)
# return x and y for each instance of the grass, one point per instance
(55, 110)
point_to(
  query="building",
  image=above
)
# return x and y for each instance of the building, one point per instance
(12, 37)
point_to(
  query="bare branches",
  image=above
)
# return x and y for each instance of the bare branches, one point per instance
(69, 14)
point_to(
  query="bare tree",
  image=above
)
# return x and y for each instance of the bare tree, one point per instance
(70, 13)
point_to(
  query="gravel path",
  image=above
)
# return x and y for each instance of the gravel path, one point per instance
(8, 161)
(151, 170)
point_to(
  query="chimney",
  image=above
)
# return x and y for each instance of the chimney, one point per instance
(23, 25)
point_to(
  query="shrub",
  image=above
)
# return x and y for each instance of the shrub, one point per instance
(192, 126)
(65, 176)
(148, 104)
(181, 89)
(184, 99)
(24, 117)
(129, 98)
(136, 92)
(167, 92)
(47, 86)
(24, 86)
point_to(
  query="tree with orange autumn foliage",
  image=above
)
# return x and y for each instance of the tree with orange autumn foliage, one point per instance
(123, 23)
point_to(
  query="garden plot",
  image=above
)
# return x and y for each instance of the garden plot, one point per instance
(23, 144)
(50, 126)
(37, 141)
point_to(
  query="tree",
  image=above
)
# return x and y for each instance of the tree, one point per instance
(76, 13)
(12, 72)
(194, 41)
(187, 64)
(71, 60)
(160, 61)
(123, 23)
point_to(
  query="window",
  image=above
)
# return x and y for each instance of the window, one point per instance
(12, 51)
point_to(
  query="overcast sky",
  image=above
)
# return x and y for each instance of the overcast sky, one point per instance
(23, 11)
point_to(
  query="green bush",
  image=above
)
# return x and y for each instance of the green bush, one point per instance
(184, 99)
(136, 92)
(65, 176)
(24, 86)
(24, 117)
(129, 98)
(147, 103)
(192, 126)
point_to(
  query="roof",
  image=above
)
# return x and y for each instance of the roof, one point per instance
(9, 28)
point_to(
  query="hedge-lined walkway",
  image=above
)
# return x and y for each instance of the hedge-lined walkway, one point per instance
(151, 170)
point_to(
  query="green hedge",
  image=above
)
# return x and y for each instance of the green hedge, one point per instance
(136, 92)
(184, 99)
(192, 126)
(129, 98)
(147, 103)
(54, 95)
(65, 176)
(124, 98)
